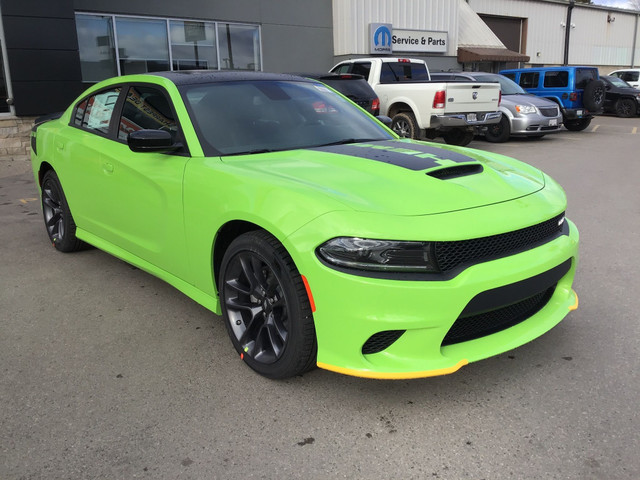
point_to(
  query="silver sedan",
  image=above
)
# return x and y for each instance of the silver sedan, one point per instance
(523, 114)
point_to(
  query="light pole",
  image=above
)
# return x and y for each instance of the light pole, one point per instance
(567, 32)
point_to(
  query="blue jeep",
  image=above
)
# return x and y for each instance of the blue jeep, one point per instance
(577, 90)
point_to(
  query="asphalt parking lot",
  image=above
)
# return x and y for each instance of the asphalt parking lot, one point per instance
(109, 373)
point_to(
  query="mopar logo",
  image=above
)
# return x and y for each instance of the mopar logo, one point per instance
(380, 37)
(474, 95)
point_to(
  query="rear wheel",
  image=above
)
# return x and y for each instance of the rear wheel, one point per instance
(498, 132)
(625, 107)
(405, 125)
(57, 217)
(265, 307)
(458, 136)
(577, 125)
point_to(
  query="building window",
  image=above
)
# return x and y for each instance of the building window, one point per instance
(97, 51)
(239, 47)
(112, 45)
(142, 45)
(193, 45)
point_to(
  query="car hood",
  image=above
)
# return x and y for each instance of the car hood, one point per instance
(398, 177)
(527, 99)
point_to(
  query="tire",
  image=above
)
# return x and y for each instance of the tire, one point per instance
(593, 95)
(498, 132)
(577, 125)
(405, 125)
(266, 308)
(57, 216)
(625, 108)
(458, 136)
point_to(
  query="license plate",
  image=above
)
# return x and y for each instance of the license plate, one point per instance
(553, 122)
(472, 117)
(579, 112)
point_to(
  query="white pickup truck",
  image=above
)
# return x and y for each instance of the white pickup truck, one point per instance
(419, 106)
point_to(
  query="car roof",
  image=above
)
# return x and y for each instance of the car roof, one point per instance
(546, 69)
(191, 77)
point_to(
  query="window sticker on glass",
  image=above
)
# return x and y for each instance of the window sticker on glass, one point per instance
(101, 109)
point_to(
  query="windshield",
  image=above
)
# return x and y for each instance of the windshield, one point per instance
(618, 82)
(507, 86)
(265, 115)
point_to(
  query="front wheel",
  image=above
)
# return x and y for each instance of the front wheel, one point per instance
(265, 307)
(577, 125)
(458, 136)
(57, 216)
(405, 125)
(625, 108)
(498, 132)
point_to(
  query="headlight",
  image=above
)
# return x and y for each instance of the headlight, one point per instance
(526, 109)
(379, 255)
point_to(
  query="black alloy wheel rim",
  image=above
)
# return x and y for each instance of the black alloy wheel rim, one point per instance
(256, 308)
(53, 211)
(403, 129)
(598, 95)
(495, 129)
(624, 109)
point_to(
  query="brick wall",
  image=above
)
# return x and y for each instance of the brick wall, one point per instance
(15, 138)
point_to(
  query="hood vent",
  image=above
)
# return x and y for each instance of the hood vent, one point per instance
(447, 173)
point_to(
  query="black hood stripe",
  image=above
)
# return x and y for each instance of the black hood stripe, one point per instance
(417, 157)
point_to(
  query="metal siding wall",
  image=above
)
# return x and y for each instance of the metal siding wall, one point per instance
(351, 19)
(593, 40)
(544, 33)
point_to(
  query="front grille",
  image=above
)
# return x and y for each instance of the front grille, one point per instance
(549, 111)
(450, 255)
(486, 323)
(381, 341)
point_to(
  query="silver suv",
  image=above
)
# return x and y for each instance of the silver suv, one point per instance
(523, 114)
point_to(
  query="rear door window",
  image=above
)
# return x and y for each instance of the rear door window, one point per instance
(529, 79)
(559, 79)
(94, 113)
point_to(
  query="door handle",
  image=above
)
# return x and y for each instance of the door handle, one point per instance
(59, 146)
(107, 168)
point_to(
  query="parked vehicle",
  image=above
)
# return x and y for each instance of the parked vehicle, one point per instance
(352, 86)
(577, 90)
(320, 236)
(523, 114)
(620, 97)
(629, 75)
(418, 106)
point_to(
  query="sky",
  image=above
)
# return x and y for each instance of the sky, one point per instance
(619, 3)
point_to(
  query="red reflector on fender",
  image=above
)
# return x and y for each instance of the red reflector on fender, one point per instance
(306, 286)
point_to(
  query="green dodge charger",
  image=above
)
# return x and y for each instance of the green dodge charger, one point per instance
(320, 237)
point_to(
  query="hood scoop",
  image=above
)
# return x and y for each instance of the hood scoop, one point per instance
(447, 173)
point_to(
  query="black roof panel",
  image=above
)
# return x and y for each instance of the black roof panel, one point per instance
(191, 77)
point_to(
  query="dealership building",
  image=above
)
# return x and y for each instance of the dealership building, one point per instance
(52, 50)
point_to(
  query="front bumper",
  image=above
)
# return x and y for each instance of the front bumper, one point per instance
(351, 309)
(535, 125)
(465, 119)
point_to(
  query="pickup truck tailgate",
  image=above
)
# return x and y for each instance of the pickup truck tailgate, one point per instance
(481, 97)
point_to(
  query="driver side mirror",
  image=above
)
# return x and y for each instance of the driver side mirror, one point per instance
(151, 141)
